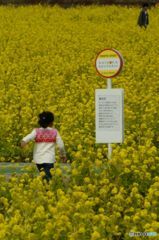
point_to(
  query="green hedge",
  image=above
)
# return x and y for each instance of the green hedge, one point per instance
(73, 2)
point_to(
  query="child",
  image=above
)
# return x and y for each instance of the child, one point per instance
(45, 139)
(143, 19)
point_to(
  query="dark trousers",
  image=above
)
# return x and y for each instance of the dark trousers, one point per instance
(46, 167)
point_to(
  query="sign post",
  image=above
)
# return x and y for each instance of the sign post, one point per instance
(109, 86)
(109, 102)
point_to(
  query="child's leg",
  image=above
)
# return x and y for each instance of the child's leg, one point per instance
(40, 167)
(46, 167)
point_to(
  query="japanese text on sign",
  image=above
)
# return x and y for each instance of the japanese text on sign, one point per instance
(109, 114)
(109, 105)
(109, 63)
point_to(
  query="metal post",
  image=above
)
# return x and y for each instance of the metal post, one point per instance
(109, 151)
(109, 83)
(109, 86)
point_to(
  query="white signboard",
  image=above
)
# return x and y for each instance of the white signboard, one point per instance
(109, 115)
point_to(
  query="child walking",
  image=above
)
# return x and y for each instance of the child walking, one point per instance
(45, 137)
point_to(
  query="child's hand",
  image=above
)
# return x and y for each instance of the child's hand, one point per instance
(63, 159)
(23, 144)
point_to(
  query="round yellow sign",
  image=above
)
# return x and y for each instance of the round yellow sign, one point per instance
(109, 63)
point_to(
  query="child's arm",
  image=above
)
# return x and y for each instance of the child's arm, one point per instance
(61, 148)
(28, 138)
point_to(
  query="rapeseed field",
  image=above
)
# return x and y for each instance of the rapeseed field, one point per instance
(47, 63)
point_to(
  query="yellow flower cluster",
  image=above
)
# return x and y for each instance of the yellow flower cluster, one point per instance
(47, 63)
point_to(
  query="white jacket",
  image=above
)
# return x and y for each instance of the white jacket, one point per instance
(44, 147)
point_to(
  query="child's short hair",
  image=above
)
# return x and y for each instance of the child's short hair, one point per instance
(45, 118)
(145, 5)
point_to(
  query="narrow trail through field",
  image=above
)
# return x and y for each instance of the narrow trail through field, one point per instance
(8, 168)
